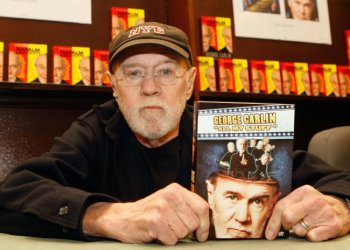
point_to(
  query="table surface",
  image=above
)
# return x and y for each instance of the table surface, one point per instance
(12, 242)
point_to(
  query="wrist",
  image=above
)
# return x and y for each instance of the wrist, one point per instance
(107, 219)
(343, 212)
(344, 199)
(91, 217)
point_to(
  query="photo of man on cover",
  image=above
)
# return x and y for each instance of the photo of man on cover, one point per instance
(305, 10)
(242, 193)
(240, 207)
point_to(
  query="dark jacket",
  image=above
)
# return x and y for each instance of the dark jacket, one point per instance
(99, 159)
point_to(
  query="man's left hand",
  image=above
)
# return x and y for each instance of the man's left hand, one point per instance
(310, 214)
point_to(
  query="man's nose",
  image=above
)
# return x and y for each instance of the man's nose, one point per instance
(242, 212)
(149, 85)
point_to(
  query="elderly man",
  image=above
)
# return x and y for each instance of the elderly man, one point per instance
(316, 82)
(302, 10)
(118, 25)
(123, 169)
(59, 69)
(100, 71)
(40, 64)
(211, 78)
(343, 84)
(84, 69)
(224, 79)
(226, 158)
(240, 207)
(14, 67)
(334, 80)
(227, 36)
(257, 80)
(305, 79)
(244, 77)
(277, 81)
(242, 163)
(207, 35)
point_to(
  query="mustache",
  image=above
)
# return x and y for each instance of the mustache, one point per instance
(154, 103)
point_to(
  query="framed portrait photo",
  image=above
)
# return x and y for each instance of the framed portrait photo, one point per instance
(288, 20)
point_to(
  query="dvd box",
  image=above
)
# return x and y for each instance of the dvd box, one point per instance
(123, 18)
(295, 78)
(27, 63)
(324, 80)
(1, 61)
(74, 63)
(265, 77)
(344, 80)
(101, 68)
(216, 36)
(206, 73)
(233, 75)
(243, 164)
(316, 78)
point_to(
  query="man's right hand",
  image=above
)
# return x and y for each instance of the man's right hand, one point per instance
(167, 216)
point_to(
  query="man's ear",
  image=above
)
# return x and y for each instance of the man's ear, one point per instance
(191, 77)
(210, 189)
(114, 83)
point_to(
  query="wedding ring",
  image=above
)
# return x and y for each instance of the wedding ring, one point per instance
(305, 225)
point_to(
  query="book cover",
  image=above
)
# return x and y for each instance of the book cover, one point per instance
(347, 41)
(216, 36)
(332, 87)
(317, 79)
(27, 63)
(344, 80)
(71, 65)
(123, 18)
(1, 61)
(233, 75)
(243, 164)
(101, 68)
(224, 37)
(295, 78)
(206, 73)
(209, 36)
(265, 77)
(324, 80)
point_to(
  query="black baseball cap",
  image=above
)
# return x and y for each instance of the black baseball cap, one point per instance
(150, 33)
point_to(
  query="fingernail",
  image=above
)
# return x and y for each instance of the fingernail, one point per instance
(203, 236)
(269, 234)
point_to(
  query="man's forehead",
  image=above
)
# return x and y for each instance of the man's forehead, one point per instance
(149, 52)
(149, 56)
(245, 187)
(150, 60)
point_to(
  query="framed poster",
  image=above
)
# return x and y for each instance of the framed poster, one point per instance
(288, 20)
(74, 11)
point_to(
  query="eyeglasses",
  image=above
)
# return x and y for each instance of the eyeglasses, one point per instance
(164, 74)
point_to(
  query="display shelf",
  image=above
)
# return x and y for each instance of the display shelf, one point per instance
(50, 95)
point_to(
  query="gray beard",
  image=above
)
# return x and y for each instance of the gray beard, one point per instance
(152, 125)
